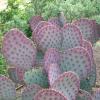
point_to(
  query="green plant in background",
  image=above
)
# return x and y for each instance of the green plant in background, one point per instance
(3, 66)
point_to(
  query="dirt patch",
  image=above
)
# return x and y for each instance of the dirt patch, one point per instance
(96, 51)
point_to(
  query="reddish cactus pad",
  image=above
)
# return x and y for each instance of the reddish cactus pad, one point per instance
(54, 21)
(53, 73)
(68, 84)
(84, 95)
(51, 56)
(92, 76)
(49, 94)
(40, 25)
(72, 36)
(49, 37)
(34, 21)
(18, 49)
(88, 46)
(30, 91)
(77, 60)
(16, 74)
(88, 28)
(7, 89)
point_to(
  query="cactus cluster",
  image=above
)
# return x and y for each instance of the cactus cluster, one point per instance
(56, 64)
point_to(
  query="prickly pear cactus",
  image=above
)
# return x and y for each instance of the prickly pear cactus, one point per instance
(72, 36)
(40, 25)
(77, 60)
(68, 84)
(53, 73)
(18, 49)
(87, 27)
(96, 94)
(84, 95)
(58, 21)
(88, 83)
(30, 91)
(33, 22)
(49, 94)
(16, 74)
(54, 21)
(88, 46)
(39, 59)
(51, 56)
(7, 89)
(36, 76)
(49, 37)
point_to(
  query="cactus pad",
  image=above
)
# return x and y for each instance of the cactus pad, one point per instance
(86, 26)
(49, 37)
(18, 49)
(88, 46)
(51, 56)
(16, 74)
(90, 81)
(53, 73)
(68, 84)
(33, 22)
(38, 27)
(72, 36)
(84, 95)
(54, 21)
(36, 76)
(7, 89)
(39, 59)
(77, 60)
(49, 94)
(30, 91)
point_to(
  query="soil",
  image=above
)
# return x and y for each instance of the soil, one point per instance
(96, 51)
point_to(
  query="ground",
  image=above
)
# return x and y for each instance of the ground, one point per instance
(96, 51)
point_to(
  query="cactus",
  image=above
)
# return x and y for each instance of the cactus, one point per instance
(96, 94)
(7, 89)
(84, 95)
(53, 73)
(88, 83)
(54, 21)
(39, 59)
(30, 91)
(51, 56)
(88, 28)
(72, 36)
(16, 74)
(88, 46)
(36, 76)
(68, 84)
(38, 27)
(18, 49)
(49, 94)
(77, 60)
(33, 22)
(58, 21)
(49, 37)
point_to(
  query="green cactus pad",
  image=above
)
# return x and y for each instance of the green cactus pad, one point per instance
(36, 76)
